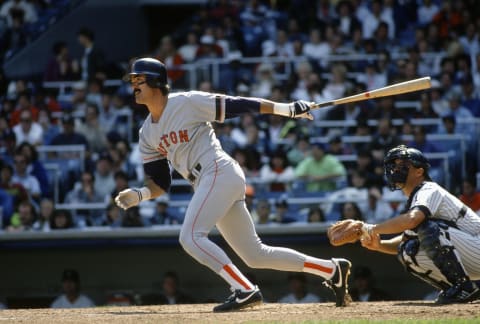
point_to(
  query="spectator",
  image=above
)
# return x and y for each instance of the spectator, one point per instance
(421, 143)
(132, 218)
(61, 219)
(262, 212)
(363, 288)
(234, 73)
(189, 49)
(77, 103)
(45, 215)
(93, 130)
(171, 293)
(168, 54)
(113, 216)
(69, 136)
(278, 173)
(121, 183)
(8, 144)
(22, 176)
(15, 37)
(22, 8)
(60, 66)
(282, 214)
(13, 189)
(346, 21)
(470, 196)
(377, 209)
(426, 12)
(23, 219)
(316, 48)
(92, 63)
(300, 151)
(384, 139)
(28, 130)
(85, 192)
(350, 210)
(120, 155)
(315, 215)
(161, 214)
(298, 287)
(264, 81)
(50, 127)
(104, 180)
(320, 170)
(35, 167)
(72, 296)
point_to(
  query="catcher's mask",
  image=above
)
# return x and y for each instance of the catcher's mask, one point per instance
(398, 173)
(154, 71)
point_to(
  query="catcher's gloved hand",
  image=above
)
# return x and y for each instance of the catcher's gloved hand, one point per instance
(301, 109)
(129, 198)
(348, 231)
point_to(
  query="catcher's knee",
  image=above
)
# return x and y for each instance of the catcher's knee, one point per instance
(429, 237)
(407, 250)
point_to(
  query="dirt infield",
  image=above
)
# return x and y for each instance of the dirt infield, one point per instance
(272, 313)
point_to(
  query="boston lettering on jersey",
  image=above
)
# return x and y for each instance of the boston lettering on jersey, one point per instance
(172, 138)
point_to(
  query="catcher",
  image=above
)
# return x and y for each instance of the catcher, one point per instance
(439, 237)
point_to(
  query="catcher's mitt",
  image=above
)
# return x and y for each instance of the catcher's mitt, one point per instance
(345, 231)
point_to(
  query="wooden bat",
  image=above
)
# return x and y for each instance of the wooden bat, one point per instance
(391, 90)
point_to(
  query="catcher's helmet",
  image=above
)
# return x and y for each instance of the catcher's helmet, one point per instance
(398, 173)
(153, 69)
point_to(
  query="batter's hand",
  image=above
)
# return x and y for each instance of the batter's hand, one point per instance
(301, 109)
(128, 198)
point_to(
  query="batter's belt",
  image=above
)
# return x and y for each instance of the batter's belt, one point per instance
(193, 175)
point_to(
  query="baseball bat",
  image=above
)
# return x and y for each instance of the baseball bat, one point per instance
(391, 90)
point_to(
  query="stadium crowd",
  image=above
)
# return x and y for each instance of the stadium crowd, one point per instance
(385, 42)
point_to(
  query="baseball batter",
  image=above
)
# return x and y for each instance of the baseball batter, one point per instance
(440, 240)
(178, 132)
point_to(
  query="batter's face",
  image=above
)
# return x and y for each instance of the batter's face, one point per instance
(141, 90)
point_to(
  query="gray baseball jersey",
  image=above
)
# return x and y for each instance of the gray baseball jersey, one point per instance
(186, 138)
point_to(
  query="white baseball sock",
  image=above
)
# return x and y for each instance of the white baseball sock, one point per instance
(235, 278)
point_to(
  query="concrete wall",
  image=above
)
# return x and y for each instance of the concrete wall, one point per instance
(137, 266)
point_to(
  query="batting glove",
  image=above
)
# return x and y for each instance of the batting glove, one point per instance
(132, 197)
(301, 109)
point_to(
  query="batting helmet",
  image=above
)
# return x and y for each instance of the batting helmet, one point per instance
(398, 173)
(153, 69)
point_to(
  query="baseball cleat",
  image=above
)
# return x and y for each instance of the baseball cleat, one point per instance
(461, 293)
(240, 299)
(339, 282)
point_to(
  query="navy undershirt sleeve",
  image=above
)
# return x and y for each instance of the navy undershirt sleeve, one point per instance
(236, 106)
(159, 172)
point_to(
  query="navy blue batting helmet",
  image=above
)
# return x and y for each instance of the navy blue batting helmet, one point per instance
(153, 69)
(398, 174)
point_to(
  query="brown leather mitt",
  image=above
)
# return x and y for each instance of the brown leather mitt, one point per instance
(345, 231)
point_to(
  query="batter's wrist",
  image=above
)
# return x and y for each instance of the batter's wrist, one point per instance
(282, 109)
(143, 193)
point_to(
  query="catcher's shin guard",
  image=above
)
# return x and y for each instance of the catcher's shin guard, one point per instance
(407, 255)
(441, 251)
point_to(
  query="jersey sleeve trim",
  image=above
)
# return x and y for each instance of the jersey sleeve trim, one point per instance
(220, 108)
(423, 209)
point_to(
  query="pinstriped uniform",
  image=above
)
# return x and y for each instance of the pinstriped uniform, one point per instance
(463, 233)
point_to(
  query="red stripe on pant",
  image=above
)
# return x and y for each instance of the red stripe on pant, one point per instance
(318, 267)
(236, 277)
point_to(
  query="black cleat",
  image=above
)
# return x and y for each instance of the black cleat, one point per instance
(461, 293)
(240, 299)
(339, 282)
